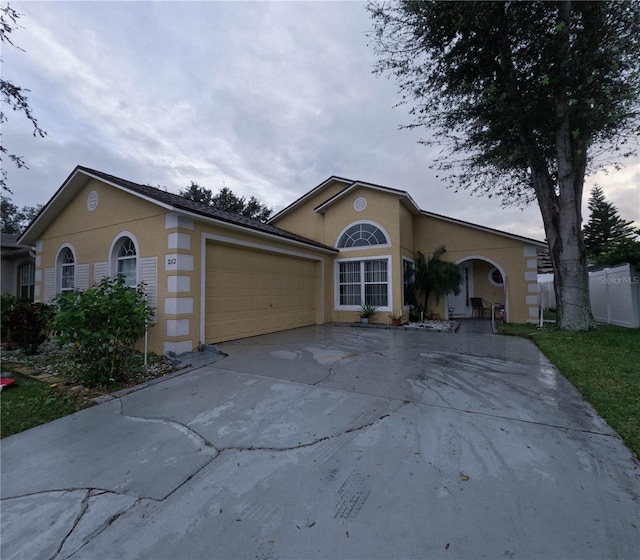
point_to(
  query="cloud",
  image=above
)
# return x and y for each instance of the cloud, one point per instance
(267, 98)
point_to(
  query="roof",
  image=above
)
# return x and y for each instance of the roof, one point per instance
(170, 201)
(11, 247)
(404, 197)
(10, 240)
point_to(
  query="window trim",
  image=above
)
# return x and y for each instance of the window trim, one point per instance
(117, 242)
(336, 282)
(405, 305)
(30, 284)
(492, 281)
(59, 265)
(363, 247)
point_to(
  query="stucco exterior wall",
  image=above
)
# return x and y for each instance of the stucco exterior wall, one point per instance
(90, 235)
(175, 240)
(515, 258)
(303, 218)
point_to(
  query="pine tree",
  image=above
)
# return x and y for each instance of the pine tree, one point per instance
(605, 226)
(607, 237)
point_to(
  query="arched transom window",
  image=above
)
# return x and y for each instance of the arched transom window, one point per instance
(362, 235)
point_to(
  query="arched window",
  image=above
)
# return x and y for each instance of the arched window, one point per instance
(66, 270)
(125, 261)
(362, 235)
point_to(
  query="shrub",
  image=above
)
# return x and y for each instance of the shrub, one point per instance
(26, 324)
(7, 303)
(103, 324)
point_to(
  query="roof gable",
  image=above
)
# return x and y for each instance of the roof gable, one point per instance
(169, 201)
(403, 196)
(314, 191)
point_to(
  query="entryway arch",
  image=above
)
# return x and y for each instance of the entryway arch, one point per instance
(480, 278)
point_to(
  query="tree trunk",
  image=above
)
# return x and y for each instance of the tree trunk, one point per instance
(560, 203)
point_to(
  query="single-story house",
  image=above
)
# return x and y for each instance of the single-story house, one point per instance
(18, 267)
(215, 276)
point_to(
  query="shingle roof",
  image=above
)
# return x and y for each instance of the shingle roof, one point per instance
(180, 203)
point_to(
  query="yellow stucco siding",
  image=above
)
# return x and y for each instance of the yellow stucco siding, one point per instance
(177, 251)
(175, 240)
(407, 239)
(463, 242)
(91, 234)
(303, 218)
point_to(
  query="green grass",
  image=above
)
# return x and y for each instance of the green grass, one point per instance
(32, 403)
(604, 365)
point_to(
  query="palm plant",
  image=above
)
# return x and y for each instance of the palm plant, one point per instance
(435, 276)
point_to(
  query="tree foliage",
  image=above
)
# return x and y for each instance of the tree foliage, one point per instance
(12, 95)
(228, 201)
(609, 239)
(520, 95)
(13, 219)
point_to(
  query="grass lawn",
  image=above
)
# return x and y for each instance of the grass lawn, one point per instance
(604, 365)
(32, 403)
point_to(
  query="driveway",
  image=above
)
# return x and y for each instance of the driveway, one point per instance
(331, 442)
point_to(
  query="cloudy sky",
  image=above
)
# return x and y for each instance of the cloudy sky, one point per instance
(266, 98)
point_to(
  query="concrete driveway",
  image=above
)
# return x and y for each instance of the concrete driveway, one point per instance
(331, 442)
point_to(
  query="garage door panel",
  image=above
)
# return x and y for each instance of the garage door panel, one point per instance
(251, 292)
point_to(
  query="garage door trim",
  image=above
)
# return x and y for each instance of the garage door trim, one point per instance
(250, 244)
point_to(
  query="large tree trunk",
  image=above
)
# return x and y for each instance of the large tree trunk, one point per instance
(561, 208)
(560, 201)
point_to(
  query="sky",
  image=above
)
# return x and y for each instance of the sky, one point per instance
(268, 99)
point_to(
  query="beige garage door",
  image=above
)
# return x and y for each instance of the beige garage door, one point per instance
(250, 292)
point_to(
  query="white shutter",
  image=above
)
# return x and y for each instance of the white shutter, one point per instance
(100, 271)
(82, 276)
(49, 284)
(149, 276)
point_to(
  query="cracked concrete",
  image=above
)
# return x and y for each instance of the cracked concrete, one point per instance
(328, 442)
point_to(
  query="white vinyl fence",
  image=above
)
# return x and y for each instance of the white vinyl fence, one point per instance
(614, 293)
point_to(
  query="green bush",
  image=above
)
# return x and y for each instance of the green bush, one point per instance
(103, 324)
(26, 324)
(7, 303)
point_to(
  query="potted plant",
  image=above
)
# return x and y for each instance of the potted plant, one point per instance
(396, 320)
(367, 310)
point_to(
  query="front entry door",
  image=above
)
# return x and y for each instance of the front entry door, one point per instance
(460, 305)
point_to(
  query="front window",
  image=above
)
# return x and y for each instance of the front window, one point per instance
(26, 281)
(363, 282)
(66, 270)
(126, 260)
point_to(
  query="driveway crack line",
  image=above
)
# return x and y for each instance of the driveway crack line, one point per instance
(315, 441)
(98, 532)
(514, 419)
(334, 364)
(197, 439)
(84, 506)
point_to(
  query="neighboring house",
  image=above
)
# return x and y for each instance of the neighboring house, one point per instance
(18, 267)
(216, 276)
